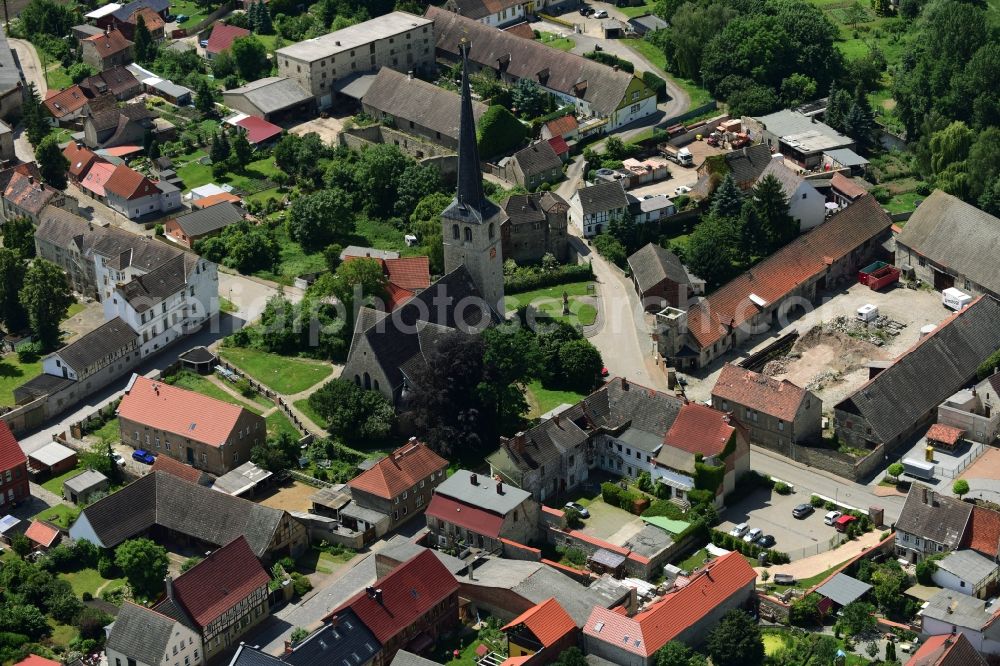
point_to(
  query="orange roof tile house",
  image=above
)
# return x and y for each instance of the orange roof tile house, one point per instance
(541, 633)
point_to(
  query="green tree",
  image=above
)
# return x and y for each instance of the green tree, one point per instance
(145, 49)
(895, 470)
(960, 487)
(882, 7)
(610, 248)
(250, 56)
(20, 545)
(528, 99)
(352, 410)
(34, 115)
(219, 151)
(45, 17)
(415, 183)
(317, 219)
(144, 564)
(19, 236)
(727, 200)
(79, 71)
(837, 108)
(204, 100)
(242, 151)
(265, 25)
(769, 205)
(425, 222)
(510, 358)
(736, 641)
(24, 619)
(571, 657)
(859, 124)
(710, 251)
(796, 89)
(989, 201)
(244, 246)
(277, 453)
(858, 618)
(46, 297)
(693, 27)
(355, 283)
(12, 270)
(983, 163)
(581, 365)
(499, 132)
(52, 164)
(99, 457)
(676, 653)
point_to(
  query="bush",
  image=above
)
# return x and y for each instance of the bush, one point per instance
(574, 520)
(665, 508)
(611, 249)
(656, 84)
(804, 612)
(530, 280)
(574, 555)
(782, 488)
(925, 571)
(300, 584)
(816, 501)
(610, 60)
(29, 352)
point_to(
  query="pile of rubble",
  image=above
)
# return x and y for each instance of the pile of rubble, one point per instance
(774, 367)
(878, 331)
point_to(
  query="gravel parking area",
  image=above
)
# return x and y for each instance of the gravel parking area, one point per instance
(773, 514)
(610, 523)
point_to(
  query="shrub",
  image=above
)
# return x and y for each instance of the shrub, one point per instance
(573, 519)
(925, 570)
(699, 496)
(816, 501)
(530, 280)
(611, 60)
(300, 584)
(782, 488)
(804, 612)
(665, 508)
(656, 84)
(575, 555)
(29, 352)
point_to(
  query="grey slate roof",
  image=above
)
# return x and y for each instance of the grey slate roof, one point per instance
(537, 158)
(602, 197)
(85, 480)
(652, 264)
(141, 633)
(901, 394)
(163, 499)
(333, 645)
(746, 164)
(477, 9)
(105, 340)
(206, 220)
(969, 566)
(789, 180)
(931, 515)
(843, 589)
(125, 11)
(410, 99)
(846, 156)
(649, 22)
(599, 85)
(145, 291)
(40, 385)
(272, 93)
(352, 37)
(484, 494)
(405, 658)
(787, 123)
(530, 208)
(956, 235)
(10, 73)
(247, 655)
(958, 609)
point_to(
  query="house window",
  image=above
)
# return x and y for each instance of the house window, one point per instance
(468, 234)
(454, 232)
(781, 424)
(635, 108)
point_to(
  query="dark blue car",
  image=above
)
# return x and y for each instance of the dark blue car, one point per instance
(143, 456)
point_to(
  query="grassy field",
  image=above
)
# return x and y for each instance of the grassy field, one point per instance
(304, 407)
(557, 42)
(88, 580)
(284, 374)
(57, 78)
(293, 260)
(640, 10)
(195, 174)
(903, 203)
(54, 485)
(13, 373)
(548, 301)
(195, 13)
(542, 400)
(109, 431)
(60, 515)
(698, 95)
(74, 309)
(62, 634)
(197, 383)
(277, 423)
(694, 560)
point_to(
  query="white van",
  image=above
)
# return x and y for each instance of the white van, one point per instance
(831, 517)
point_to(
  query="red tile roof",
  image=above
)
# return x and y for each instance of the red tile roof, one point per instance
(80, 159)
(153, 20)
(847, 186)
(223, 36)
(399, 471)
(947, 650)
(548, 621)
(699, 429)
(179, 411)
(66, 101)
(945, 434)
(562, 126)
(983, 531)
(111, 43)
(408, 592)
(220, 581)
(767, 395)
(465, 515)
(129, 183)
(35, 660)
(805, 258)
(559, 145)
(213, 199)
(42, 534)
(522, 29)
(647, 632)
(97, 177)
(176, 468)
(258, 129)
(406, 276)
(11, 454)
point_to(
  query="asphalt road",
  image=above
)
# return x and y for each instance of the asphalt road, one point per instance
(33, 73)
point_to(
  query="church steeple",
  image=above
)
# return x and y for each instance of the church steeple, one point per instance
(470, 177)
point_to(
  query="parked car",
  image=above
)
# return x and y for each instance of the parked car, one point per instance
(802, 510)
(739, 530)
(119, 459)
(600, 13)
(784, 579)
(753, 535)
(203, 43)
(831, 517)
(766, 541)
(143, 456)
(181, 18)
(579, 508)
(843, 522)
(682, 189)
(586, 10)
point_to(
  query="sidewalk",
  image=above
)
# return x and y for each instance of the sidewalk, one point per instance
(814, 565)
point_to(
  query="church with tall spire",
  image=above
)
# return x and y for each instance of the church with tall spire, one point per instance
(470, 225)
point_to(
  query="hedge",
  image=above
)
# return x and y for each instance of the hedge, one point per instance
(656, 84)
(729, 542)
(989, 366)
(623, 498)
(606, 58)
(562, 275)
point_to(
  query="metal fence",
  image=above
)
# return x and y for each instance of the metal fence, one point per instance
(967, 459)
(816, 548)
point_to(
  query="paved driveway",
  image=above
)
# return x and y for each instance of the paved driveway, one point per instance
(772, 513)
(610, 523)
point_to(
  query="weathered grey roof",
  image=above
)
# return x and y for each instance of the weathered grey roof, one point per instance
(602, 197)
(353, 36)
(105, 340)
(85, 480)
(40, 385)
(607, 558)
(126, 11)
(477, 9)
(10, 73)
(141, 633)
(145, 291)
(537, 158)
(239, 480)
(958, 609)
(483, 494)
(803, 130)
(747, 163)
(958, 236)
(843, 589)
(410, 99)
(206, 220)
(169, 88)
(247, 655)
(653, 264)
(356, 251)
(331, 645)
(846, 156)
(931, 515)
(599, 85)
(401, 549)
(542, 444)
(160, 498)
(789, 180)
(353, 510)
(650, 22)
(900, 395)
(52, 453)
(273, 93)
(969, 566)
(404, 658)
(355, 86)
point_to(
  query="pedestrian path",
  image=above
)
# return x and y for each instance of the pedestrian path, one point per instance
(814, 565)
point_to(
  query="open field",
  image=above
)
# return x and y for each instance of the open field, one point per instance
(542, 400)
(284, 374)
(13, 373)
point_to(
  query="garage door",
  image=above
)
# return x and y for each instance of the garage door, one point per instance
(325, 101)
(943, 281)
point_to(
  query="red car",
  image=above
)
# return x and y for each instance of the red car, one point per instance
(841, 523)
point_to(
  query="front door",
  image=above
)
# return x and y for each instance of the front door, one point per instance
(190, 455)
(943, 281)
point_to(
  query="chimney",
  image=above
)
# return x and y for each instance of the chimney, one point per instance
(168, 583)
(499, 487)
(370, 591)
(474, 479)
(624, 384)
(288, 647)
(925, 495)
(107, 31)
(378, 596)
(556, 419)
(31, 179)
(614, 67)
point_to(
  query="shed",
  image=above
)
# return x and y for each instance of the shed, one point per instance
(606, 561)
(244, 479)
(42, 535)
(53, 459)
(79, 488)
(842, 590)
(199, 359)
(9, 526)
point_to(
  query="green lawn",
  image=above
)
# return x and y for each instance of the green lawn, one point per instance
(903, 203)
(226, 305)
(89, 580)
(698, 95)
(557, 42)
(13, 373)
(694, 560)
(542, 400)
(74, 309)
(195, 174)
(109, 431)
(195, 382)
(60, 515)
(55, 484)
(57, 78)
(640, 10)
(284, 374)
(62, 634)
(304, 407)
(195, 13)
(278, 423)
(549, 301)
(293, 260)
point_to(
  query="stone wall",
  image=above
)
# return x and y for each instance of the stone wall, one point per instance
(423, 151)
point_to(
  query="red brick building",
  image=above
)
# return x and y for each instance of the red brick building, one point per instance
(13, 470)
